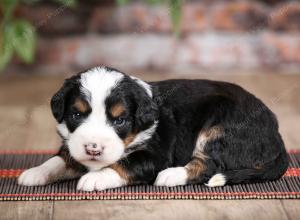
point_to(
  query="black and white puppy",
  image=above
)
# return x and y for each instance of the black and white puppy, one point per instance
(118, 130)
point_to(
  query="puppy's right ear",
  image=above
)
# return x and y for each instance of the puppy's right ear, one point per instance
(58, 101)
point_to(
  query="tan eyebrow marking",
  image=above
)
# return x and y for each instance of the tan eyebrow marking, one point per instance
(81, 105)
(117, 110)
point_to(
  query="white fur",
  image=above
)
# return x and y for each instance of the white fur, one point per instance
(143, 84)
(172, 177)
(144, 135)
(216, 180)
(97, 85)
(106, 178)
(49, 171)
(63, 130)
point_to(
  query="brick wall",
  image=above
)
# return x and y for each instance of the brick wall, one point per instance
(215, 34)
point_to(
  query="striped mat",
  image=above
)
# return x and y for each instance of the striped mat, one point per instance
(12, 163)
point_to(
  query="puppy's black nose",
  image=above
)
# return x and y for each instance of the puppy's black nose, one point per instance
(93, 149)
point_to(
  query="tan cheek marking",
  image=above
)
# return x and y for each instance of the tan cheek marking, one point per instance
(117, 110)
(195, 168)
(81, 105)
(129, 139)
(121, 171)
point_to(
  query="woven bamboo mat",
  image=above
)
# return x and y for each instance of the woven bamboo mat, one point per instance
(12, 163)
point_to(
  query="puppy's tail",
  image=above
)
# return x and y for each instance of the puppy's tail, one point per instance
(270, 171)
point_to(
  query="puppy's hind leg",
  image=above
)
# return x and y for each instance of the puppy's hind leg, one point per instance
(200, 169)
(173, 176)
(196, 171)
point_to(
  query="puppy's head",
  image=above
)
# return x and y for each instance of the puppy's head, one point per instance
(101, 113)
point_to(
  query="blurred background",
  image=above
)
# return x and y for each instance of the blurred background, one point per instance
(255, 43)
(54, 36)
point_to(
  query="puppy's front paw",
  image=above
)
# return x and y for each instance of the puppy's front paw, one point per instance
(36, 176)
(100, 180)
(171, 177)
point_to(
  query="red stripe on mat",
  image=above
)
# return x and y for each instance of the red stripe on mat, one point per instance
(155, 193)
(292, 172)
(12, 173)
(28, 151)
(294, 151)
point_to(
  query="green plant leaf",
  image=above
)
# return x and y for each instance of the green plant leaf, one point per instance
(30, 1)
(154, 2)
(122, 2)
(6, 48)
(68, 3)
(24, 40)
(7, 4)
(176, 7)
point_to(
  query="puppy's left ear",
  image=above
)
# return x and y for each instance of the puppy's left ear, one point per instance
(58, 101)
(147, 110)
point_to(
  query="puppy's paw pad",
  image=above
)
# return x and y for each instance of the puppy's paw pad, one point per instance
(172, 177)
(36, 176)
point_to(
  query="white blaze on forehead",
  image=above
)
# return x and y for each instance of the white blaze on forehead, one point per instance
(97, 84)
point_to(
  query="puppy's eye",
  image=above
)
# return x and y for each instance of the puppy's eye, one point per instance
(119, 121)
(77, 116)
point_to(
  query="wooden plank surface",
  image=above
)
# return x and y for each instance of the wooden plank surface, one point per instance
(35, 210)
(176, 209)
(292, 208)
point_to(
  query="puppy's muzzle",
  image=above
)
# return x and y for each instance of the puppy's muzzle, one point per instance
(93, 149)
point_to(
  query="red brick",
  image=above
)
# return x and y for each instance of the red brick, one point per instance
(286, 17)
(166, 52)
(135, 51)
(218, 51)
(140, 18)
(131, 18)
(239, 16)
(131, 45)
(194, 17)
(54, 20)
(48, 54)
(285, 47)
(60, 51)
(103, 20)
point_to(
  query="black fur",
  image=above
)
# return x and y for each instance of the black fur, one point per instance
(251, 137)
(251, 149)
(59, 100)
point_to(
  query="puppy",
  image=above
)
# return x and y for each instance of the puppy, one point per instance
(118, 130)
